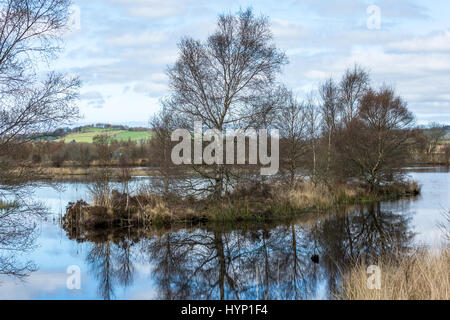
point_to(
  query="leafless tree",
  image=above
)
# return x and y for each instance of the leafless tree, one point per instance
(292, 124)
(375, 143)
(447, 154)
(100, 188)
(31, 103)
(313, 129)
(226, 81)
(329, 108)
(434, 134)
(353, 86)
(162, 125)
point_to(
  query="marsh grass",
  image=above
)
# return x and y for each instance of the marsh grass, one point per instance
(320, 196)
(421, 275)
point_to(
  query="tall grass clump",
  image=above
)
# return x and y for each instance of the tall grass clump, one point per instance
(423, 275)
(319, 196)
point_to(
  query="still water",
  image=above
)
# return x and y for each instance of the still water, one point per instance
(240, 262)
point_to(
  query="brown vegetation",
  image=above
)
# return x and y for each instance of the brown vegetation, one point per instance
(251, 202)
(422, 275)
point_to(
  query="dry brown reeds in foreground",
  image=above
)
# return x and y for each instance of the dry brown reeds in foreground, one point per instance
(423, 275)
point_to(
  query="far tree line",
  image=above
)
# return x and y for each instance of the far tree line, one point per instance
(430, 147)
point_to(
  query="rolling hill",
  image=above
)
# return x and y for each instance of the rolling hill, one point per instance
(87, 134)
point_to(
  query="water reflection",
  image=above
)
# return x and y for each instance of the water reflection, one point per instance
(254, 262)
(251, 262)
(17, 237)
(111, 264)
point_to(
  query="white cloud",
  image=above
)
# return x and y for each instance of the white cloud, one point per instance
(283, 29)
(139, 39)
(154, 9)
(36, 285)
(125, 57)
(431, 43)
(151, 88)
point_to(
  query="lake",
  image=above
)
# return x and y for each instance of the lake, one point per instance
(214, 262)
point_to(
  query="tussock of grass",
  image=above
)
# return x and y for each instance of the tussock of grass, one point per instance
(158, 213)
(401, 188)
(422, 275)
(321, 196)
(318, 196)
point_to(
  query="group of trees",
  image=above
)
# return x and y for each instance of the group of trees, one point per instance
(101, 152)
(431, 146)
(347, 129)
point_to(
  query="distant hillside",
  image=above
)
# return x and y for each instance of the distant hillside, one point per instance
(86, 134)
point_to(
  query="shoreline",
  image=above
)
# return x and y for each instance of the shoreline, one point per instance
(51, 173)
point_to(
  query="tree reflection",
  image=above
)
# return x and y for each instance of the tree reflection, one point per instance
(110, 262)
(361, 232)
(252, 263)
(273, 264)
(18, 233)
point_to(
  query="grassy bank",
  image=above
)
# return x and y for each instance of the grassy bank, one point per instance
(53, 173)
(422, 275)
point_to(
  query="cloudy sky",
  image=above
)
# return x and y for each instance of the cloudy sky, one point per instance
(121, 48)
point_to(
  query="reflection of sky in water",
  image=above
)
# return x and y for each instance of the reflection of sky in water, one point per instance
(55, 252)
(428, 208)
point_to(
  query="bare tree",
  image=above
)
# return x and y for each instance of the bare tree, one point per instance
(434, 134)
(162, 125)
(329, 108)
(447, 154)
(30, 103)
(313, 121)
(353, 86)
(375, 143)
(293, 130)
(226, 81)
(100, 188)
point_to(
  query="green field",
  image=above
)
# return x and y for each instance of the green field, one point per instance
(87, 135)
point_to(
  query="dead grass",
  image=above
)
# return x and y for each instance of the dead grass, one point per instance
(52, 172)
(445, 225)
(423, 275)
(319, 196)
